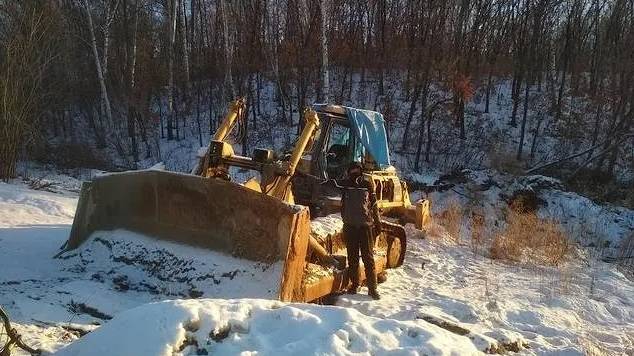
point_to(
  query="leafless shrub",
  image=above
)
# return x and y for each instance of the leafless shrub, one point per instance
(70, 155)
(504, 161)
(528, 238)
(451, 152)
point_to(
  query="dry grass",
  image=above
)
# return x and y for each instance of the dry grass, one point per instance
(451, 219)
(625, 260)
(477, 232)
(435, 230)
(591, 348)
(528, 238)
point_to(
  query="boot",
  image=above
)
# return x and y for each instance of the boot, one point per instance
(354, 283)
(372, 286)
(374, 294)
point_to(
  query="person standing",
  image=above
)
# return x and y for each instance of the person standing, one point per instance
(361, 218)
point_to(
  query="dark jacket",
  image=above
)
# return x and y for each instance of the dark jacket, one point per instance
(358, 203)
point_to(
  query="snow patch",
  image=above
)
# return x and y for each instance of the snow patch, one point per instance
(250, 326)
(324, 226)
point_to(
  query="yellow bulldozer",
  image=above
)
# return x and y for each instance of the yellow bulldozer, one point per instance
(267, 218)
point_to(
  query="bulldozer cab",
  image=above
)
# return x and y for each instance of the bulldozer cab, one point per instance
(336, 154)
(338, 143)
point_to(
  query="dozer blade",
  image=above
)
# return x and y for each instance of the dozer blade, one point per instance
(208, 213)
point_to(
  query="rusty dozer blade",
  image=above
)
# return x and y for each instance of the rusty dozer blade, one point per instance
(208, 213)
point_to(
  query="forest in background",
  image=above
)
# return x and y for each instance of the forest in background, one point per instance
(98, 83)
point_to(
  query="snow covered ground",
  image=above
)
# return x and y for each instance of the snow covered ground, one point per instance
(444, 300)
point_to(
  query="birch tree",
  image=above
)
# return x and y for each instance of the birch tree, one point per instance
(186, 44)
(111, 10)
(131, 49)
(102, 82)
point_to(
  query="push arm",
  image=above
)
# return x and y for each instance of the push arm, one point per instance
(280, 188)
(236, 108)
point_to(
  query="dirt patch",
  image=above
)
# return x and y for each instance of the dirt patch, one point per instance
(221, 333)
(504, 347)
(525, 201)
(454, 328)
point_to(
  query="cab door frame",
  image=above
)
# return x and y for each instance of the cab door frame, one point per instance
(329, 121)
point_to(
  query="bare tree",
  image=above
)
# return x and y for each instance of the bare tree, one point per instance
(27, 42)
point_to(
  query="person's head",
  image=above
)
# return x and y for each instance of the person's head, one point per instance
(354, 170)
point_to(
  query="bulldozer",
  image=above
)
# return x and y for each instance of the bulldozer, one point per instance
(270, 217)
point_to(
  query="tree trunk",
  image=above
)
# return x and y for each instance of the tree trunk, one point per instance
(423, 120)
(410, 116)
(227, 50)
(515, 94)
(210, 102)
(186, 47)
(564, 69)
(595, 132)
(524, 117)
(176, 116)
(560, 96)
(110, 11)
(325, 80)
(488, 93)
(535, 136)
(461, 108)
(132, 112)
(200, 132)
(172, 40)
(428, 143)
(245, 121)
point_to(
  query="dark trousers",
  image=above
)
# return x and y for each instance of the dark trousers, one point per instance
(360, 238)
